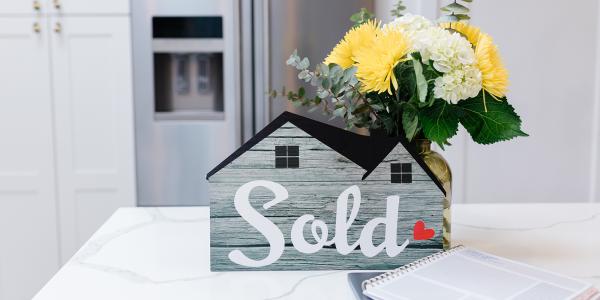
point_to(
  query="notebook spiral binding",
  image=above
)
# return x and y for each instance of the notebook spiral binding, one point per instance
(387, 276)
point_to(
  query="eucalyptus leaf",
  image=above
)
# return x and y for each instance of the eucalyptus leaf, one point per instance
(326, 83)
(323, 69)
(361, 17)
(335, 89)
(349, 73)
(398, 10)
(304, 63)
(462, 17)
(304, 75)
(455, 12)
(455, 8)
(322, 93)
(314, 80)
(292, 59)
(339, 112)
(336, 73)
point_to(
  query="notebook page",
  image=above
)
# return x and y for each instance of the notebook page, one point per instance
(471, 274)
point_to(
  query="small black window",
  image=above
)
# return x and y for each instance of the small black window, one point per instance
(401, 173)
(287, 157)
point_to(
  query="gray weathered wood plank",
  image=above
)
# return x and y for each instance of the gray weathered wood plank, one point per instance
(228, 230)
(326, 259)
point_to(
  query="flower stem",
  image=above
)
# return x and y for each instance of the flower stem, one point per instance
(484, 103)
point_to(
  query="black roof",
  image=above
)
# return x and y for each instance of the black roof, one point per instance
(365, 151)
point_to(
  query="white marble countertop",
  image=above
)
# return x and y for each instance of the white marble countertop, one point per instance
(163, 253)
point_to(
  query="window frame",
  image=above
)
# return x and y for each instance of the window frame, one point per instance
(401, 173)
(287, 157)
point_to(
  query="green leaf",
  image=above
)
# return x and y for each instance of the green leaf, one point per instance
(349, 73)
(398, 9)
(304, 63)
(361, 17)
(335, 71)
(439, 122)
(455, 8)
(293, 59)
(462, 17)
(499, 123)
(339, 112)
(429, 101)
(407, 84)
(410, 121)
(312, 109)
(377, 107)
(361, 108)
(304, 75)
(323, 69)
(421, 82)
(326, 83)
(322, 93)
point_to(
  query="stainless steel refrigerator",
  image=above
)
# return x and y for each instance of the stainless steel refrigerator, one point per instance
(202, 71)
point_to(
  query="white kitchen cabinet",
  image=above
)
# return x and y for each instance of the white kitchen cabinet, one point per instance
(91, 63)
(66, 139)
(22, 7)
(74, 7)
(28, 221)
(64, 7)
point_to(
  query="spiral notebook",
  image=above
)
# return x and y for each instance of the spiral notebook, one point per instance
(464, 273)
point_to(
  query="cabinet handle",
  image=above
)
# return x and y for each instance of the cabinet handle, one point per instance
(36, 5)
(36, 27)
(57, 27)
(56, 4)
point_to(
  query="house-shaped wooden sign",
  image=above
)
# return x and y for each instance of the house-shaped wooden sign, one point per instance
(304, 195)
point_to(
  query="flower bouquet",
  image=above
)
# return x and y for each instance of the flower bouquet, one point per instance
(413, 77)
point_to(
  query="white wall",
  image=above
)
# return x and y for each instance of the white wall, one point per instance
(552, 53)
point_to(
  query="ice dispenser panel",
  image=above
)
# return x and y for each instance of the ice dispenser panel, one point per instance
(188, 68)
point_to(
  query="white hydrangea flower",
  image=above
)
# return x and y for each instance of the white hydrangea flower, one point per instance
(458, 84)
(451, 54)
(447, 50)
(410, 24)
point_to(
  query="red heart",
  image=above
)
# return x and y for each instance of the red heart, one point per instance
(422, 233)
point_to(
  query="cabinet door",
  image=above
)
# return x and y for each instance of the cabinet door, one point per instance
(29, 7)
(92, 78)
(28, 228)
(70, 7)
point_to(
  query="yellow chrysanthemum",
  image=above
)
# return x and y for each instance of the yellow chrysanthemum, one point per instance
(375, 64)
(344, 52)
(472, 33)
(494, 76)
(493, 73)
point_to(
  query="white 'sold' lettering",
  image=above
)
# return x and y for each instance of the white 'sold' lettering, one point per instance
(276, 239)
